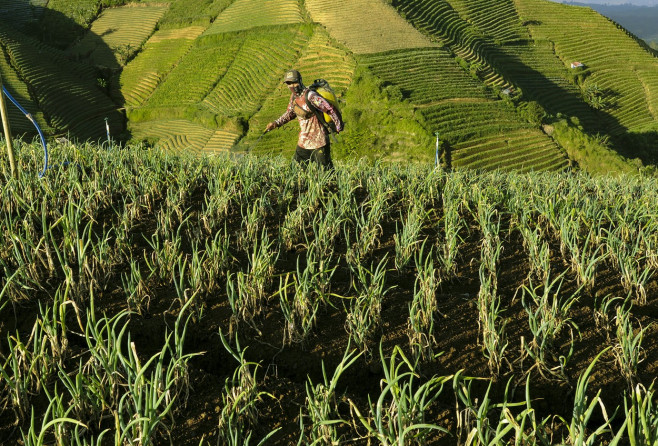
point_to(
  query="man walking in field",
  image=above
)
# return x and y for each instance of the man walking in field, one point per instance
(308, 106)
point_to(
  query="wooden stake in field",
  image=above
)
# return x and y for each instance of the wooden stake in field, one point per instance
(5, 126)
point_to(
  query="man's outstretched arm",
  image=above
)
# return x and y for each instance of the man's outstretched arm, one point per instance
(287, 116)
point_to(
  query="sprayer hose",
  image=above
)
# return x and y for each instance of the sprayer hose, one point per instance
(31, 118)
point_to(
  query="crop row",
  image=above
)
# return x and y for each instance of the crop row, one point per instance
(456, 121)
(542, 76)
(82, 12)
(182, 135)
(365, 26)
(442, 21)
(649, 79)
(193, 12)
(21, 13)
(324, 58)
(246, 14)
(194, 77)
(518, 153)
(19, 90)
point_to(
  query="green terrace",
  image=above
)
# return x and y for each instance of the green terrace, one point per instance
(117, 34)
(497, 20)
(161, 53)
(424, 75)
(246, 14)
(19, 90)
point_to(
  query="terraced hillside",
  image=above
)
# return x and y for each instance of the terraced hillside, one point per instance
(617, 66)
(491, 77)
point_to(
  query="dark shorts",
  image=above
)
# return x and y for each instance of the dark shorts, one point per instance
(322, 156)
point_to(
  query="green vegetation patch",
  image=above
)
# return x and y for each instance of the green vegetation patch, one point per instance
(182, 135)
(19, 124)
(610, 55)
(69, 97)
(65, 21)
(497, 19)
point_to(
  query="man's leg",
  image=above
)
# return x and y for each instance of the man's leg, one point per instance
(322, 156)
(302, 156)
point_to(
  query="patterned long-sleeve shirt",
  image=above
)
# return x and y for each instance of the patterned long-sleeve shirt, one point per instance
(312, 133)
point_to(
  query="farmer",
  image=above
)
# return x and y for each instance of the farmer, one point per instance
(306, 105)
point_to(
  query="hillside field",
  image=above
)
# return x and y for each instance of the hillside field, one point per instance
(492, 78)
(153, 297)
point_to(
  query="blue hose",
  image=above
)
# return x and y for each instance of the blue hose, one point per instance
(31, 118)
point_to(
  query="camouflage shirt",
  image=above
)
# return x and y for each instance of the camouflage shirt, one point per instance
(312, 134)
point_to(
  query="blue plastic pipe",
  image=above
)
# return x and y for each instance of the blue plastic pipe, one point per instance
(31, 118)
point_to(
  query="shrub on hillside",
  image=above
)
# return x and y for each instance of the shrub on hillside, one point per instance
(532, 112)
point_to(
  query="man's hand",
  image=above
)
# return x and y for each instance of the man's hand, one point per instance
(271, 126)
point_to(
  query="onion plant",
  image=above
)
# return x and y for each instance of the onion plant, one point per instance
(252, 285)
(580, 430)
(449, 230)
(18, 375)
(136, 289)
(407, 238)
(491, 322)
(218, 258)
(603, 307)
(424, 305)
(539, 253)
(476, 417)
(241, 395)
(642, 416)
(364, 315)
(628, 258)
(628, 347)
(321, 408)
(548, 315)
(164, 256)
(300, 312)
(252, 221)
(187, 285)
(368, 229)
(37, 435)
(397, 417)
